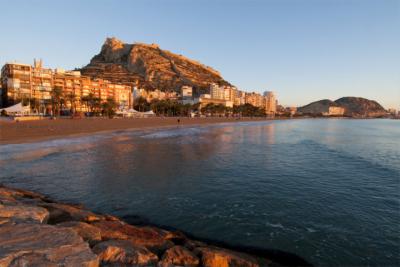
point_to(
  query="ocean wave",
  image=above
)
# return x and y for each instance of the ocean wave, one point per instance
(171, 133)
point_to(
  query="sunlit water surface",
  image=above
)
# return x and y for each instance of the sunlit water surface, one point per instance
(327, 190)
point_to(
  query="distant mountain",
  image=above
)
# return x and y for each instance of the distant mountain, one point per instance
(361, 107)
(353, 107)
(149, 67)
(317, 107)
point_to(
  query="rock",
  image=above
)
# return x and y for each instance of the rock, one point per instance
(88, 232)
(219, 257)
(361, 107)
(352, 107)
(148, 66)
(24, 213)
(122, 252)
(193, 244)
(18, 193)
(149, 237)
(62, 213)
(43, 245)
(111, 230)
(180, 256)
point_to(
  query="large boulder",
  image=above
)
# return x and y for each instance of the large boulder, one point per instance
(122, 253)
(43, 245)
(219, 257)
(24, 213)
(6, 192)
(179, 256)
(149, 237)
(88, 232)
(63, 212)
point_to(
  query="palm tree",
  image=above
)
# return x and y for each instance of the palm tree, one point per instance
(56, 100)
(109, 107)
(71, 98)
(141, 104)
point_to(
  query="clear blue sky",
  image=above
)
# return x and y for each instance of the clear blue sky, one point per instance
(304, 50)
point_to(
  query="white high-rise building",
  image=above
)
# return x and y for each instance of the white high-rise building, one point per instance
(270, 103)
(216, 91)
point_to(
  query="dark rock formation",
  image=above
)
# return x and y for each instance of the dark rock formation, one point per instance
(35, 244)
(149, 67)
(356, 107)
(317, 107)
(179, 256)
(122, 252)
(361, 107)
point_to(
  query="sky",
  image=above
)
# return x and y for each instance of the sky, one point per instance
(303, 50)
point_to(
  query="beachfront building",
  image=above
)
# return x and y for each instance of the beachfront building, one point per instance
(254, 99)
(270, 103)
(16, 83)
(37, 86)
(224, 95)
(217, 92)
(187, 95)
(240, 98)
(333, 111)
(392, 111)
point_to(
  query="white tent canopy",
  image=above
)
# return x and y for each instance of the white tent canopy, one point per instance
(16, 109)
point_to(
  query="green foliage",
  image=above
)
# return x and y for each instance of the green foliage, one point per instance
(57, 100)
(92, 102)
(141, 104)
(171, 108)
(109, 107)
(248, 110)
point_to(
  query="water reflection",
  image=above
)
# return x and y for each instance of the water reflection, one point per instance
(320, 188)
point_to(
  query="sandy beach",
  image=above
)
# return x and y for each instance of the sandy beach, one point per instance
(12, 132)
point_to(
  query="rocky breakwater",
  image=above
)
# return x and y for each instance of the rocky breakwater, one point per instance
(37, 231)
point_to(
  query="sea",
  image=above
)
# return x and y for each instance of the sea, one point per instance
(327, 190)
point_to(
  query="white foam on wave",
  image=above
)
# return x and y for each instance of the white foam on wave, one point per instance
(176, 132)
(311, 230)
(29, 151)
(275, 225)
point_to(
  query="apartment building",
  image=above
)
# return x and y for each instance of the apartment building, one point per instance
(217, 92)
(270, 103)
(333, 111)
(16, 80)
(254, 99)
(37, 86)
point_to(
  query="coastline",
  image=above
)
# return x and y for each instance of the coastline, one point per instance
(12, 132)
(38, 230)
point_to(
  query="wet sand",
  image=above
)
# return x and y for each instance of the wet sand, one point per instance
(12, 132)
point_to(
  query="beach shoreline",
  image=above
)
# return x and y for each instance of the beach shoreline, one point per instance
(12, 132)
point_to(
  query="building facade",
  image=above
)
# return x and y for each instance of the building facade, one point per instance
(334, 111)
(37, 86)
(270, 103)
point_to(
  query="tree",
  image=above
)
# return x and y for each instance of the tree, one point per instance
(57, 100)
(141, 104)
(71, 97)
(248, 110)
(34, 103)
(109, 107)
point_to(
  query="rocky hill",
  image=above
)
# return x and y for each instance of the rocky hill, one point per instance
(353, 106)
(361, 107)
(149, 67)
(317, 107)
